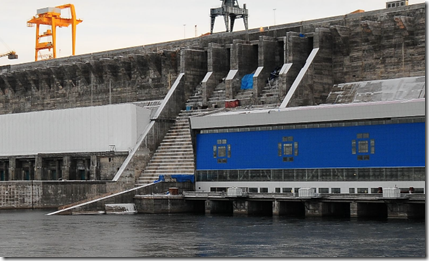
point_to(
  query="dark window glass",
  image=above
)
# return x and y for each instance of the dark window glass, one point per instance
(335, 190)
(277, 175)
(300, 175)
(391, 174)
(288, 175)
(253, 190)
(263, 190)
(323, 190)
(229, 151)
(287, 190)
(362, 190)
(363, 146)
(221, 151)
(287, 149)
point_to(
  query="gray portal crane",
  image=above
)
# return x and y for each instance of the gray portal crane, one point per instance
(230, 11)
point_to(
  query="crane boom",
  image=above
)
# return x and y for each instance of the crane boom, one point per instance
(10, 55)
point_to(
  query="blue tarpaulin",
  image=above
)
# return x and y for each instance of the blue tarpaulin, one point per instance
(183, 178)
(247, 82)
(179, 178)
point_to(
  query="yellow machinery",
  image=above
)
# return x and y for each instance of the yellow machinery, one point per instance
(51, 16)
(10, 55)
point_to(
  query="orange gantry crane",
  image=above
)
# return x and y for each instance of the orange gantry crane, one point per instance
(51, 16)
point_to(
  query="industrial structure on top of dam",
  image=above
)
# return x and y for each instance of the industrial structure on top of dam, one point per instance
(320, 109)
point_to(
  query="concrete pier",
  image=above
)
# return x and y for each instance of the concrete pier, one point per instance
(408, 206)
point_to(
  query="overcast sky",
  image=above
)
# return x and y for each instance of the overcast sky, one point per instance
(115, 24)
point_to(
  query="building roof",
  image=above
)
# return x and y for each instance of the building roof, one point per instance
(308, 114)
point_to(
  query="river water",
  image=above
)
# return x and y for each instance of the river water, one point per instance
(31, 233)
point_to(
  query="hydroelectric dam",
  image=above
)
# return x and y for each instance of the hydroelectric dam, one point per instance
(317, 117)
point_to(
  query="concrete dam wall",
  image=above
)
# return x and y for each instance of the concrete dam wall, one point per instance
(204, 72)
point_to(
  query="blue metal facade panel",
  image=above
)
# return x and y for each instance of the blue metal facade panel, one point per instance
(394, 145)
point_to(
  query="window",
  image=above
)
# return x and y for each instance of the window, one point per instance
(336, 190)
(277, 190)
(253, 190)
(287, 190)
(287, 149)
(323, 190)
(229, 151)
(263, 190)
(353, 146)
(296, 148)
(363, 146)
(376, 190)
(351, 190)
(285, 139)
(362, 190)
(221, 151)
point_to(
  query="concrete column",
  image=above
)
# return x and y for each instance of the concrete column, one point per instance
(276, 208)
(314, 209)
(12, 168)
(66, 167)
(353, 209)
(240, 207)
(57, 169)
(397, 211)
(38, 168)
(93, 168)
(208, 207)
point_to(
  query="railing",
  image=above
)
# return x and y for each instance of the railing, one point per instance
(148, 128)
(98, 199)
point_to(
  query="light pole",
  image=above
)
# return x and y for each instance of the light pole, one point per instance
(184, 31)
(274, 10)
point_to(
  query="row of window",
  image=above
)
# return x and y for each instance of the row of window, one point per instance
(352, 174)
(317, 125)
(319, 190)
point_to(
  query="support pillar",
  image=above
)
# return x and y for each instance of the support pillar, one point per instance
(66, 167)
(12, 168)
(93, 168)
(208, 207)
(38, 168)
(276, 208)
(240, 207)
(314, 209)
(353, 209)
(397, 211)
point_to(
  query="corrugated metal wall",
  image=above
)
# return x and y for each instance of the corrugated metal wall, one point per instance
(89, 129)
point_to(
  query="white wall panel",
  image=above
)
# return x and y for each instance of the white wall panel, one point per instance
(90, 129)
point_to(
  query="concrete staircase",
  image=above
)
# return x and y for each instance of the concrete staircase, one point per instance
(174, 155)
(270, 93)
(245, 96)
(196, 100)
(218, 95)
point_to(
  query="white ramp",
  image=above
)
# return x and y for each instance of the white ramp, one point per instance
(299, 78)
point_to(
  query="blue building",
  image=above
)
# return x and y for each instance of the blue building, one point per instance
(345, 148)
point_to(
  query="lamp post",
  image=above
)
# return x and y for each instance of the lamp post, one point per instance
(184, 31)
(274, 10)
